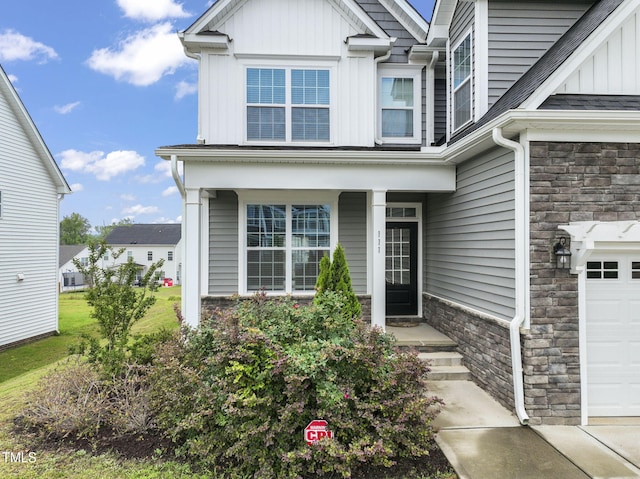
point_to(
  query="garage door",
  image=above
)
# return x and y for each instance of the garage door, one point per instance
(613, 335)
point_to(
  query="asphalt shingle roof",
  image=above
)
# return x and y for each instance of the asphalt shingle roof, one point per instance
(145, 234)
(68, 252)
(592, 102)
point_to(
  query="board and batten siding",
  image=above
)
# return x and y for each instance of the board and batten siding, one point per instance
(615, 66)
(520, 33)
(470, 237)
(223, 243)
(310, 34)
(352, 235)
(28, 236)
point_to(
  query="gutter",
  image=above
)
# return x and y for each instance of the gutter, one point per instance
(521, 271)
(176, 176)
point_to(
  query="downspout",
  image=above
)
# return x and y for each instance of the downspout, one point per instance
(176, 175)
(521, 309)
(376, 62)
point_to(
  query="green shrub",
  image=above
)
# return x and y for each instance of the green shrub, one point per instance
(238, 393)
(334, 276)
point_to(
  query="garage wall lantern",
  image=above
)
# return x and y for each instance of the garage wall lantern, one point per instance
(563, 255)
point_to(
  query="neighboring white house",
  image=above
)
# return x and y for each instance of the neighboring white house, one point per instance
(69, 279)
(448, 159)
(148, 243)
(31, 187)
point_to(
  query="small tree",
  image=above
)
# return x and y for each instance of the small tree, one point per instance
(334, 276)
(117, 302)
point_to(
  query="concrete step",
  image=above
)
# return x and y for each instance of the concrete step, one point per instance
(442, 358)
(449, 373)
(446, 366)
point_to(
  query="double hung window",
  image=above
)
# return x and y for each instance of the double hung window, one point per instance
(399, 115)
(288, 105)
(462, 92)
(284, 245)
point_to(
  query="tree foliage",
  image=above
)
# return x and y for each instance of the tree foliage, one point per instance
(118, 301)
(334, 276)
(74, 229)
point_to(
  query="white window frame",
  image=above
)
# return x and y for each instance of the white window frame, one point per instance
(413, 72)
(468, 80)
(287, 198)
(331, 66)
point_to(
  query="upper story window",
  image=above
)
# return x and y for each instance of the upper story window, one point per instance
(149, 255)
(399, 115)
(462, 89)
(169, 255)
(288, 105)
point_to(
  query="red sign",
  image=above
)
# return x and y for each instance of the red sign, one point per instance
(316, 430)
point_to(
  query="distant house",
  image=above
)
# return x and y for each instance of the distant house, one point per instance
(148, 243)
(448, 159)
(31, 187)
(69, 279)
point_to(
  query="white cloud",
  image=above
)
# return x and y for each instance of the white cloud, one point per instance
(76, 187)
(137, 210)
(15, 46)
(96, 163)
(172, 190)
(127, 197)
(152, 10)
(184, 88)
(143, 58)
(66, 109)
(162, 171)
(13, 79)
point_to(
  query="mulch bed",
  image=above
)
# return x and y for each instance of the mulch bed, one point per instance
(153, 446)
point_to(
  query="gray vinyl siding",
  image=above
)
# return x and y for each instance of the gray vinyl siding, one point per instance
(28, 232)
(223, 245)
(470, 237)
(352, 235)
(440, 106)
(520, 33)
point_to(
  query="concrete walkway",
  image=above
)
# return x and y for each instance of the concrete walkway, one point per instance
(483, 440)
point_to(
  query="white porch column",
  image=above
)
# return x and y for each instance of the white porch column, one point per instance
(191, 258)
(378, 244)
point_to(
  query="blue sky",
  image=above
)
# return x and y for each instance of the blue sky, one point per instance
(106, 83)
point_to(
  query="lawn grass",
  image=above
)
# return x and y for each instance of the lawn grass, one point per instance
(74, 321)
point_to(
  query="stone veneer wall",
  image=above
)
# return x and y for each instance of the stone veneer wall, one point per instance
(483, 342)
(569, 182)
(210, 303)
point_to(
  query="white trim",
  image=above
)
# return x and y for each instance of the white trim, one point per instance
(413, 72)
(288, 198)
(582, 345)
(417, 219)
(480, 67)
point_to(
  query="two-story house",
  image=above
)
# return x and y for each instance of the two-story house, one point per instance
(31, 188)
(146, 244)
(448, 159)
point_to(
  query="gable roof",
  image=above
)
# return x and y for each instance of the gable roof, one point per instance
(145, 234)
(30, 130)
(68, 252)
(592, 102)
(551, 61)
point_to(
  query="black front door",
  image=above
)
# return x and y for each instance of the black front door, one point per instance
(402, 268)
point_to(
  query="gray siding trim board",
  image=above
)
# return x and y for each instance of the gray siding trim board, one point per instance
(470, 237)
(223, 243)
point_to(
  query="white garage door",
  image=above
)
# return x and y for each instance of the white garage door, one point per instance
(613, 335)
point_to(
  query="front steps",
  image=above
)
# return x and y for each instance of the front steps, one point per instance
(434, 347)
(446, 366)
